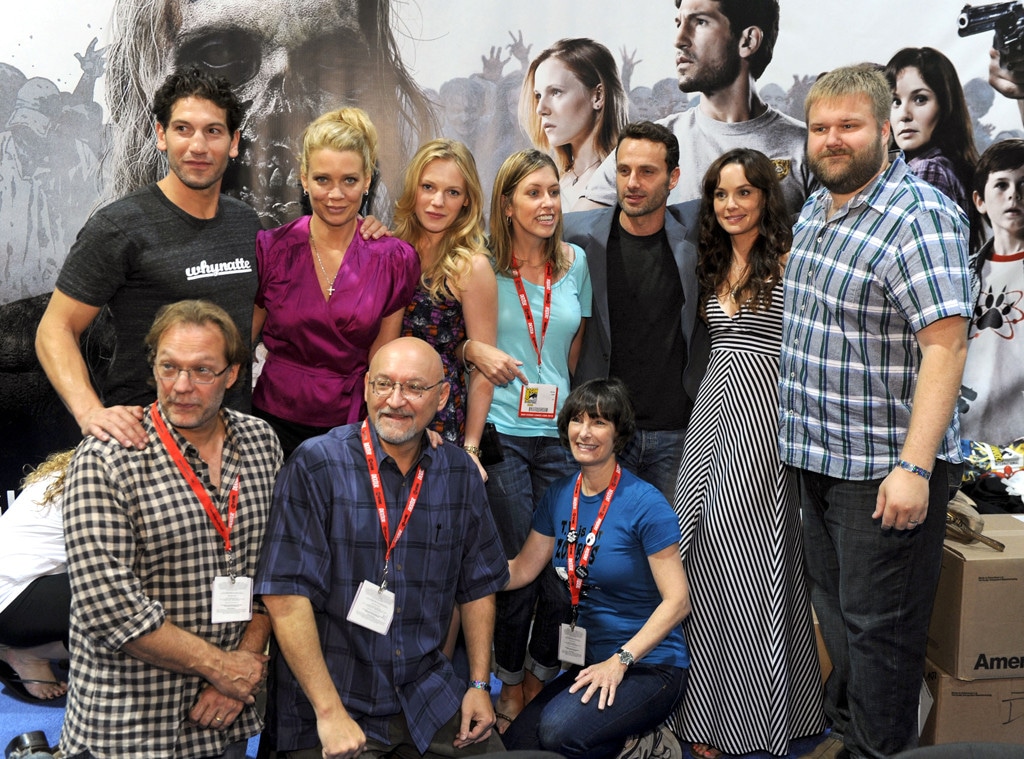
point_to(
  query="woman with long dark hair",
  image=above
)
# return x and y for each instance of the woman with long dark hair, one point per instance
(932, 126)
(750, 632)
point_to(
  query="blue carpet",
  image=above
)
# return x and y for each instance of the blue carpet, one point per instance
(17, 717)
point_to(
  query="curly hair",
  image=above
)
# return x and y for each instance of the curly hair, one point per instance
(514, 170)
(715, 245)
(464, 238)
(56, 466)
(194, 83)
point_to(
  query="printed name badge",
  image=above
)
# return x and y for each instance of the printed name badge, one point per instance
(572, 644)
(372, 607)
(538, 401)
(232, 600)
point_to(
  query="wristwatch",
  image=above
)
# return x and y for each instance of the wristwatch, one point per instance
(625, 657)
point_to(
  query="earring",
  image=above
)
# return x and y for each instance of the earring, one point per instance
(365, 194)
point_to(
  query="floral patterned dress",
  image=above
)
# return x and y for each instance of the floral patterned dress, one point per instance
(442, 324)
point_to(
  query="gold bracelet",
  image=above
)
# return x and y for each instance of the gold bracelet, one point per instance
(474, 449)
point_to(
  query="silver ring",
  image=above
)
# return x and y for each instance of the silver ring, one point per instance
(914, 521)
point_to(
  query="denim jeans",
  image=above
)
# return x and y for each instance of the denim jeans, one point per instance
(654, 456)
(557, 721)
(514, 488)
(873, 590)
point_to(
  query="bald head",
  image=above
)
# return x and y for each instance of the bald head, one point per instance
(404, 388)
(409, 352)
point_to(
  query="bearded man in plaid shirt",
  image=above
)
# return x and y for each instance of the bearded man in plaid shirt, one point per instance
(873, 348)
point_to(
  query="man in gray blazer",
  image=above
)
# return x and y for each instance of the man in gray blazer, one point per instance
(645, 330)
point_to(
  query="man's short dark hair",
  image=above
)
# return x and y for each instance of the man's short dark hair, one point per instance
(604, 398)
(648, 130)
(196, 83)
(764, 14)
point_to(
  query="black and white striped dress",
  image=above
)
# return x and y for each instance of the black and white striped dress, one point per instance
(754, 680)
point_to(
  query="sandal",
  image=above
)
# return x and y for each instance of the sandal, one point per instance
(16, 683)
(704, 751)
(508, 719)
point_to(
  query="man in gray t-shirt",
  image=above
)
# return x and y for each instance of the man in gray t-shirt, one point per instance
(178, 238)
(722, 47)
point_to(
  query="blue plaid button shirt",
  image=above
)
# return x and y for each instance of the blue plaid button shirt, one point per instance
(858, 286)
(324, 539)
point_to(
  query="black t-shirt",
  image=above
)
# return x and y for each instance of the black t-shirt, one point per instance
(645, 299)
(143, 252)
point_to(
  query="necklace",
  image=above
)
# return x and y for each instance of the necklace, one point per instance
(327, 279)
(735, 290)
(576, 177)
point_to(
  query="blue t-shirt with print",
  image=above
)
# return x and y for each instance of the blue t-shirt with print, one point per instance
(621, 592)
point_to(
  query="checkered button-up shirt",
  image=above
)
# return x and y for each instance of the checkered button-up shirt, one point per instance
(858, 286)
(142, 551)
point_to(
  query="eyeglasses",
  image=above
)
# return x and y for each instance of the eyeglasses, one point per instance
(383, 387)
(200, 375)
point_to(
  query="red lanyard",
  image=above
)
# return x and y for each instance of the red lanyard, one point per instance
(528, 312)
(577, 573)
(224, 530)
(378, 498)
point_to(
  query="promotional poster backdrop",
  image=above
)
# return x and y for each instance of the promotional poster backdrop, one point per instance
(449, 68)
(76, 82)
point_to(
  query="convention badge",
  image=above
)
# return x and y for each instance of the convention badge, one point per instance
(572, 644)
(372, 608)
(232, 600)
(538, 401)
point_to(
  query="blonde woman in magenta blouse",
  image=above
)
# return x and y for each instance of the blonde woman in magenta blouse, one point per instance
(327, 298)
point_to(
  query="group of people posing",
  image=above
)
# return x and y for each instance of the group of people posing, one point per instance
(656, 432)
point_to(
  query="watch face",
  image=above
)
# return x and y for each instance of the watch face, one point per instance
(626, 658)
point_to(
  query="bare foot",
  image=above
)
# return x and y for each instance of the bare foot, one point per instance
(532, 685)
(510, 703)
(31, 668)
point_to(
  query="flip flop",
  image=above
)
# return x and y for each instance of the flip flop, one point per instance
(16, 684)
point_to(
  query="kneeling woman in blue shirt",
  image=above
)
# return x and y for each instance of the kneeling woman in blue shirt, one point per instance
(617, 540)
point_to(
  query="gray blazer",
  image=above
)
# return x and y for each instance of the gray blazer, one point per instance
(591, 230)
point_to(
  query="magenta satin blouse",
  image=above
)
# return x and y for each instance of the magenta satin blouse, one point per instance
(317, 350)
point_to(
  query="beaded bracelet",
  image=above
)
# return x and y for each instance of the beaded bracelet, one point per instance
(480, 685)
(914, 469)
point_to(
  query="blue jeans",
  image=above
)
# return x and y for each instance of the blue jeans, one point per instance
(654, 456)
(873, 590)
(557, 721)
(514, 488)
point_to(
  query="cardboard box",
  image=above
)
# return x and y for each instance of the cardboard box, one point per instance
(977, 626)
(990, 711)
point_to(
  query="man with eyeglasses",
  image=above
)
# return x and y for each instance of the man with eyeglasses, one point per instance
(163, 543)
(374, 537)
